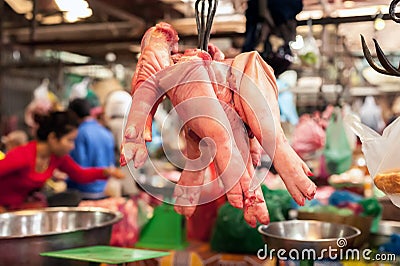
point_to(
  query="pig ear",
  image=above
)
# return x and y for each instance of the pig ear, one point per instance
(169, 30)
(145, 38)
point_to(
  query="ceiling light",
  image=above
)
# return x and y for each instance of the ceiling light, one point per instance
(74, 9)
(111, 57)
(21, 6)
(70, 17)
(82, 13)
(73, 58)
(345, 12)
(310, 14)
(63, 56)
(51, 20)
(94, 71)
(362, 11)
(225, 8)
(69, 5)
(379, 24)
(75, 15)
(349, 4)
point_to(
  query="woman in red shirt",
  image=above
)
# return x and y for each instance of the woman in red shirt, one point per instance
(25, 169)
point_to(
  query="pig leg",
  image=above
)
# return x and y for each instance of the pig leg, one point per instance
(255, 151)
(228, 162)
(188, 189)
(196, 103)
(220, 80)
(255, 208)
(256, 102)
(157, 45)
(137, 130)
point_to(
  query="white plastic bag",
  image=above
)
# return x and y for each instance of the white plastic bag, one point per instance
(381, 154)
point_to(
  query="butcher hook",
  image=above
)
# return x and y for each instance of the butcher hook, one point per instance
(387, 68)
(204, 21)
(392, 12)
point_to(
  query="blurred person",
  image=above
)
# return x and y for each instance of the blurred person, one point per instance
(116, 107)
(14, 139)
(94, 147)
(26, 168)
(265, 18)
(256, 14)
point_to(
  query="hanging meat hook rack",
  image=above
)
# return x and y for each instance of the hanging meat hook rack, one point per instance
(204, 21)
(386, 67)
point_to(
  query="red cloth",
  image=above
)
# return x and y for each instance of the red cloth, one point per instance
(18, 177)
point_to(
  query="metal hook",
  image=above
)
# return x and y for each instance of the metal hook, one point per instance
(203, 25)
(392, 13)
(387, 68)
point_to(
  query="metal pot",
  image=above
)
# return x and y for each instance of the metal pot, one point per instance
(25, 234)
(362, 223)
(385, 230)
(307, 234)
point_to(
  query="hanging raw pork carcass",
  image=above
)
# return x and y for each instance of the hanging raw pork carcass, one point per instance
(229, 102)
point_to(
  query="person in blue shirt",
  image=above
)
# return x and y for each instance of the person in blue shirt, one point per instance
(94, 147)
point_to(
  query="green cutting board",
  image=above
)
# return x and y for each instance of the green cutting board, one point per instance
(106, 254)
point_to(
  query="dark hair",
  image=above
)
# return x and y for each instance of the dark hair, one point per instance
(80, 106)
(59, 122)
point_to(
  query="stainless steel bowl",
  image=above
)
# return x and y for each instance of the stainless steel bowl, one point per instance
(362, 223)
(388, 228)
(307, 234)
(26, 234)
(385, 230)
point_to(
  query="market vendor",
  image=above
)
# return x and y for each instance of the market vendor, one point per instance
(26, 168)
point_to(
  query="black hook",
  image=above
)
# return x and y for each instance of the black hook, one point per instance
(387, 68)
(392, 13)
(203, 25)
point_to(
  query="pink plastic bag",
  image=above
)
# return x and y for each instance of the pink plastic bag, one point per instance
(308, 136)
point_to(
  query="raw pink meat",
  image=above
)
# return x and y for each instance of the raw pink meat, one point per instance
(157, 45)
(254, 78)
(217, 99)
